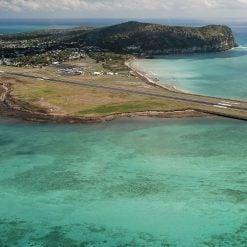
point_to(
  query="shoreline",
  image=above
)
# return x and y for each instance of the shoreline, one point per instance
(9, 108)
(141, 74)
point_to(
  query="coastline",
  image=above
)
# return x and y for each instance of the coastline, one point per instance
(166, 86)
(141, 74)
(9, 108)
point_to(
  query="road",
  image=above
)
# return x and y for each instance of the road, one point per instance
(222, 103)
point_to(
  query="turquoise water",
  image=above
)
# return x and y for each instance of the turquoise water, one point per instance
(221, 74)
(126, 183)
(18, 28)
(218, 74)
(28, 25)
(130, 183)
(25, 25)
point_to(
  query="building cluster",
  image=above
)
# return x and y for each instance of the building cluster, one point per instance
(72, 71)
(96, 73)
(44, 59)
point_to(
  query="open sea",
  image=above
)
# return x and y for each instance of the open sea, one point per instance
(142, 182)
(27, 25)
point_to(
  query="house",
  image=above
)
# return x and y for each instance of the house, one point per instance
(110, 73)
(56, 63)
(96, 73)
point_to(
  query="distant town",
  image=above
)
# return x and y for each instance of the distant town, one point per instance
(48, 47)
(29, 54)
(36, 71)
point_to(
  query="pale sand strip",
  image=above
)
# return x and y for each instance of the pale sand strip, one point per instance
(150, 80)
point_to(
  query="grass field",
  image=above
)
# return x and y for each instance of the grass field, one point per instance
(75, 100)
(63, 99)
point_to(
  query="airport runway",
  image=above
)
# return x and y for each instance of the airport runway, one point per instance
(216, 103)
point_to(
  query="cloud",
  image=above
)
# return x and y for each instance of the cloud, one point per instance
(107, 4)
(122, 7)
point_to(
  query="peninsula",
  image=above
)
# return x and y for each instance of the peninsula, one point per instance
(130, 37)
(85, 74)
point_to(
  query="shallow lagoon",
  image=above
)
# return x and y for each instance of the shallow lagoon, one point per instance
(124, 183)
(221, 75)
(214, 74)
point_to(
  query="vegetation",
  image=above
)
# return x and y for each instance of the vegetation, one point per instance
(111, 61)
(47, 34)
(130, 37)
(144, 37)
(103, 50)
(42, 59)
(73, 100)
(134, 106)
(57, 98)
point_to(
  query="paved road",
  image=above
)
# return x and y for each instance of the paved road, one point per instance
(221, 103)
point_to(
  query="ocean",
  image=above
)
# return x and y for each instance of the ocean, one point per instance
(140, 182)
(216, 74)
(28, 25)
(8, 26)
(124, 183)
(213, 74)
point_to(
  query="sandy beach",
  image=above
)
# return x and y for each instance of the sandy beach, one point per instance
(148, 79)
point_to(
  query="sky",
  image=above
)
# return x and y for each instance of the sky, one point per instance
(190, 9)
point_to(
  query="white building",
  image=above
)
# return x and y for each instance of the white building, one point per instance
(96, 73)
(110, 73)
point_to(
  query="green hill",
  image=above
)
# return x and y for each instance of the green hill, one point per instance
(160, 39)
(136, 37)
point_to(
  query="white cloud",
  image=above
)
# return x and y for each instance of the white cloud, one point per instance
(122, 7)
(98, 4)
